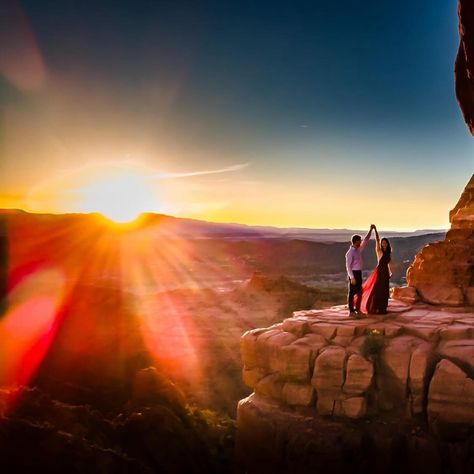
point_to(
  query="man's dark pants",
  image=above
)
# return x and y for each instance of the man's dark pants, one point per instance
(355, 290)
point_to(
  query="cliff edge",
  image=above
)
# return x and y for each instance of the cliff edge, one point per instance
(392, 392)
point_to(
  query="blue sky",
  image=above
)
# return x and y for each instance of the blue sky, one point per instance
(347, 98)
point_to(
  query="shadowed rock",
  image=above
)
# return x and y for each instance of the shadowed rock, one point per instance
(464, 67)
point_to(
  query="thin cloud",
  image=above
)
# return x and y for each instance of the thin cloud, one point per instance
(229, 169)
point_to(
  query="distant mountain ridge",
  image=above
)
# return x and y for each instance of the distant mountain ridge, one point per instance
(195, 228)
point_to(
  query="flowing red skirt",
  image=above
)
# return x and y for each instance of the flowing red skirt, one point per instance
(367, 292)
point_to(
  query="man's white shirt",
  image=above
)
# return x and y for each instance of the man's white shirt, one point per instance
(354, 257)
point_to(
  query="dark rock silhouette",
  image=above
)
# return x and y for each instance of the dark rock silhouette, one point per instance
(464, 67)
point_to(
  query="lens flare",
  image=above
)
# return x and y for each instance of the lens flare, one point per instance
(87, 306)
(28, 328)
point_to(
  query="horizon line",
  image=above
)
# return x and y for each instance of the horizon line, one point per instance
(269, 226)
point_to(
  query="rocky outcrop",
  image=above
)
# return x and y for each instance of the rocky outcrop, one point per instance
(415, 364)
(464, 67)
(443, 272)
(451, 398)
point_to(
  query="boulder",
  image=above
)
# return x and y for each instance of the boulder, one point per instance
(295, 363)
(328, 331)
(252, 376)
(450, 397)
(315, 342)
(441, 293)
(248, 347)
(359, 374)
(328, 378)
(298, 394)
(270, 387)
(297, 326)
(355, 407)
(268, 347)
(407, 294)
(459, 351)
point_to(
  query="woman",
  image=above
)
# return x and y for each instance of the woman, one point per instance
(375, 290)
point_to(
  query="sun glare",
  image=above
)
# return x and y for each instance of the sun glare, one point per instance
(121, 198)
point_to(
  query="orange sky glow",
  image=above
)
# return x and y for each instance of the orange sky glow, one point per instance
(72, 142)
(123, 190)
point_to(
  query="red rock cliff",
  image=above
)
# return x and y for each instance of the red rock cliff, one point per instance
(443, 272)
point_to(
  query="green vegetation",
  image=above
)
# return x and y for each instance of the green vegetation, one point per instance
(372, 345)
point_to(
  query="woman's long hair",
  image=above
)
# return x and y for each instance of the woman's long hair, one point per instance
(388, 250)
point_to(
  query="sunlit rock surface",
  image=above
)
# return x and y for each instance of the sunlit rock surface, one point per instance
(443, 272)
(321, 367)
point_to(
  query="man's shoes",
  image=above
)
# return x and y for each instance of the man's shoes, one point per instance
(352, 314)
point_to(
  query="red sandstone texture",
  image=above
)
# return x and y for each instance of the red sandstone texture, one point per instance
(443, 272)
(417, 360)
(326, 386)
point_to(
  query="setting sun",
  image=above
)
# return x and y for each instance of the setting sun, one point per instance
(122, 197)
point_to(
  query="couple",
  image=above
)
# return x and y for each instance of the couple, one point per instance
(372, 297)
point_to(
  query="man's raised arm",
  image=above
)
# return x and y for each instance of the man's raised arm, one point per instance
(367, 237)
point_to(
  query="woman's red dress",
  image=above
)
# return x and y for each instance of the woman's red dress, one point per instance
(375, 290)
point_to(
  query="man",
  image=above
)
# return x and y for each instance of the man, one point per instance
(354, 270)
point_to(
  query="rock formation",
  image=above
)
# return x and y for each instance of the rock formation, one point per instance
(464, 68)
(354, 368)
(392, 392)
(443, 272)
(414, 365)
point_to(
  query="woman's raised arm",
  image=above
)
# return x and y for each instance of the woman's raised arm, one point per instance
(378, 249)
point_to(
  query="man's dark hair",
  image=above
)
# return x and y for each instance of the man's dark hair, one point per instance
(355, 238)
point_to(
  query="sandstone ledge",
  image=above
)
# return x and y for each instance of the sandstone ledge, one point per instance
(416, 361)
